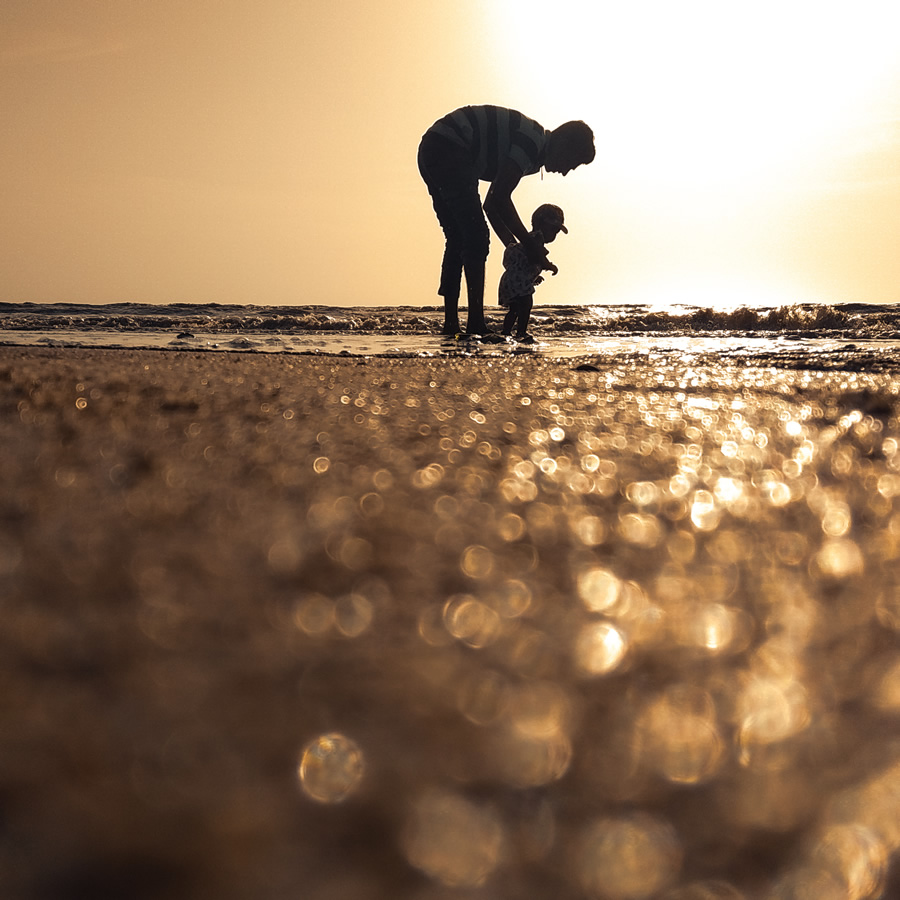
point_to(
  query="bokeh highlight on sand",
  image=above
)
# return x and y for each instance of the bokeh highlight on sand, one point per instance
(283, 626)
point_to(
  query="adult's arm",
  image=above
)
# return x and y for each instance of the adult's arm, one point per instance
(499, 207)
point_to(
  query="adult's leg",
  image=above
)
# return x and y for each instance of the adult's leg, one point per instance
(451, 277)
(448, 174)
(430, 168)
(474, 268)
(465, 207)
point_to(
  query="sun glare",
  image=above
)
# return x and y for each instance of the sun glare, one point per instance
(720, 127)
(711, 293)
(701, 94)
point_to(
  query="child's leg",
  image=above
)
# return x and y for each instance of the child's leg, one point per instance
(524, 309)
(510, 321)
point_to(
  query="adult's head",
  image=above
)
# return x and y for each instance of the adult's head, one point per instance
(570, 146)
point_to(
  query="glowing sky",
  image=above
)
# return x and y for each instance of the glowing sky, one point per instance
(264, 152)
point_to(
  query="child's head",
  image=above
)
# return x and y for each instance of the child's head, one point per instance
(548, 219)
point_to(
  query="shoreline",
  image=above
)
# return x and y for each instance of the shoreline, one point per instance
(875, 357)
(373, 626)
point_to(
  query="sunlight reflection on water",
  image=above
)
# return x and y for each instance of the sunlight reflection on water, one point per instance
(331, 768)
(616, 633)
(660, 589)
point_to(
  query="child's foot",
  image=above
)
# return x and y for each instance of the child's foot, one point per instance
(524, 338)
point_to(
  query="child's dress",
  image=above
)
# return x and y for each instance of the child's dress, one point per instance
(519, 274)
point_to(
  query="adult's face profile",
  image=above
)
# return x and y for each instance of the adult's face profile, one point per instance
(570, 146)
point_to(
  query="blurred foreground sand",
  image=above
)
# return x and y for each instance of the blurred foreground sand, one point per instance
(319, 627)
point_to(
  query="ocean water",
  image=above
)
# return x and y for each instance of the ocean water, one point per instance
(858, 336)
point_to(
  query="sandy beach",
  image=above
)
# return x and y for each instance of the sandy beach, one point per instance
(285, 626)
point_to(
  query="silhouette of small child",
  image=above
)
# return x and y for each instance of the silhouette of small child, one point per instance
(523, 264)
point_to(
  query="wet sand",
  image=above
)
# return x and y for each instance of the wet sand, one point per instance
(281, 626)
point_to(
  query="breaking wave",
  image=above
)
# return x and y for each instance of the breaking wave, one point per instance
(813, 320)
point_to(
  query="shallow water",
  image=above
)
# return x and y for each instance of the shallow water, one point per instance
(855, 336)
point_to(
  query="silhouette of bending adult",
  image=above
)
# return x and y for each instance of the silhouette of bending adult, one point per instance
(499, 145)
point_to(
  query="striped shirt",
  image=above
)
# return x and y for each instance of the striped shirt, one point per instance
(494, 134)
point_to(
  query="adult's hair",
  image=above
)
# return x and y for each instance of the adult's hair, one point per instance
(580, 137)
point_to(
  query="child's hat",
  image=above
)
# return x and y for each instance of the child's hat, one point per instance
(548, 212)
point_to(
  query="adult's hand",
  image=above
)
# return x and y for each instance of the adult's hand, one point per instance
(499, 208)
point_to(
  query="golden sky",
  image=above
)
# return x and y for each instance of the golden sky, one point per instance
(263, 151)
